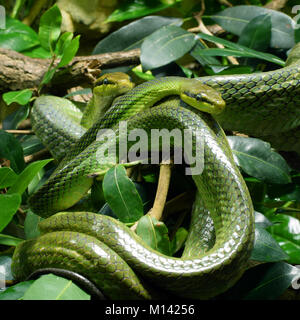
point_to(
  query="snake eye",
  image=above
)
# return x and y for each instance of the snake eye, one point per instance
(199, 97)
(105, 81)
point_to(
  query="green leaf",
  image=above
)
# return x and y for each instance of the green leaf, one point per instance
(169, 44)
(212, 62)
(154, 233)
(48, 75)
(286, 231)
(31, 225)
(135, 8)
(256, 158)
(31, 144)
(17, 36)
(257, 33)
(264, 282)
(63, 41)
(275, 280)
(266, 249)
(51, 287)
(49, 29)
(261, 220)
(69, 52)
(132, 35)
(7, 177)
(16, 291)
(9, 204)
(27, 175)
(179, 240)
(236, 18)
(11, 149)
(121, 195)
(236, 49)
(12, 121)
(22, 97)
(8, 240)
(37, 52)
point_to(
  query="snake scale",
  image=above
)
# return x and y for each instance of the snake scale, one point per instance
(111, 255)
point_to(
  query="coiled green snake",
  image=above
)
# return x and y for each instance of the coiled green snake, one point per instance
(106, 251)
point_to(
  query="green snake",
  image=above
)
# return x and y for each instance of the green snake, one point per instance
(97, 246)
(70, 121)
(222, 194)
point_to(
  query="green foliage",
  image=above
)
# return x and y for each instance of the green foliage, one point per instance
(121, 195)
(235, 19)
(169, 43)
(52, 287)
(256, 158)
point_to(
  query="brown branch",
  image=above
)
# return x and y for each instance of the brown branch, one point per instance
(20, 131)
(161, 192)
(42, 154)
(276, 4)
(19, 72)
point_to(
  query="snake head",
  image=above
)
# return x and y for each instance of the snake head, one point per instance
(113, 84)
(202, 97)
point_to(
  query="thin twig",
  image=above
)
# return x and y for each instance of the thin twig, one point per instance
(37, 156)
(20, 131)
(161, 192)
(203, 29)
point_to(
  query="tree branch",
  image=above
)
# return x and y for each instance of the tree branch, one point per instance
(19, 72)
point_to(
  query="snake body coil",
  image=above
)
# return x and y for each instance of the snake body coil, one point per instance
(79, 241)
(113, 257)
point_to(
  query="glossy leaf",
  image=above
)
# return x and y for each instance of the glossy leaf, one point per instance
(63, 41)
(264, 282)
(9, 204)
(16, 291)
(121, 195)
(236, 49)
(31, 144)
(7, 177)
(135, 9)
(37, 52)
(256, 158)
(169, 44)
(22, 97)
(286, 231)
(236, 18)
(27, 175)
(17, 36)
(132, 35)
(51, 287)
(179, 240)
(155, 234)
(261, 220)
(49, 28)
(266, 249)
(275, 280)
(8, 240)
(257, 33)
(31, 225)
(12, 121)
(69, 52)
